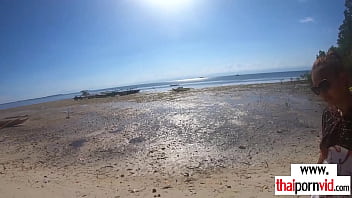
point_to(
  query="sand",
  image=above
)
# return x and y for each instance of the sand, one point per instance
(213, 142)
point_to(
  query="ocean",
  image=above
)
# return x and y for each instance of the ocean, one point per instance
(199, 82)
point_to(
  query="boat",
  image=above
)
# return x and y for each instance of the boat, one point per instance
(128, 92)
(106, 94)
(79, 98)
(111, 93)
(84, 95)
(100, 95)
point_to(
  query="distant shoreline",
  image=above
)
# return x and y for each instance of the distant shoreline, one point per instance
(249, 85)
(168, 85)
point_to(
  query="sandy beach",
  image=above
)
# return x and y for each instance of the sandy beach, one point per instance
(213, 142)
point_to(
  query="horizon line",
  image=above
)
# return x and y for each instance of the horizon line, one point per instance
(150, 82)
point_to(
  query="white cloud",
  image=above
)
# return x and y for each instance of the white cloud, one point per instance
(307, 20)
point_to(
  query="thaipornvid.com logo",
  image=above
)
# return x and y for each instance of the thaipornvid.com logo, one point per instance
(313, 179)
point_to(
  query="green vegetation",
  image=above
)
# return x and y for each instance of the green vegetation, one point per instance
(344, 41)
(307, 77)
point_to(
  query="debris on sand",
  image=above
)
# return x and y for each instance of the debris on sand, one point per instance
(137, 140)
(180, 89)
(13, 121)
(78, 143)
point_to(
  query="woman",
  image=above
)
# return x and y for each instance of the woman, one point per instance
(331, 82)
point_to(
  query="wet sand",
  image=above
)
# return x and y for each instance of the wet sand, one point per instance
(213, 142)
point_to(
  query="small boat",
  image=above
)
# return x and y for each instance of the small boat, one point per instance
(111, 93)
(106, 94)
(84, 95)
(128, 92)
(174, 85)
(79, 98)
(100, 96)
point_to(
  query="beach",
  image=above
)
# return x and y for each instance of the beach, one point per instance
(228, 141)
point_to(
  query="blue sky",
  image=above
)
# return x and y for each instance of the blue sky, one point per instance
(59, 46)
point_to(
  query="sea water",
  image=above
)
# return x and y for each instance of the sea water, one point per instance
(198, 82)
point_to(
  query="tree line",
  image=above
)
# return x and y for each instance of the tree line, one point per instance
(344, 40)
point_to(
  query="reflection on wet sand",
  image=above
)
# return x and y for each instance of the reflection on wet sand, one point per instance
(225, 141)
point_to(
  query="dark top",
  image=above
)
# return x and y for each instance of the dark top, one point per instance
(336, 130)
